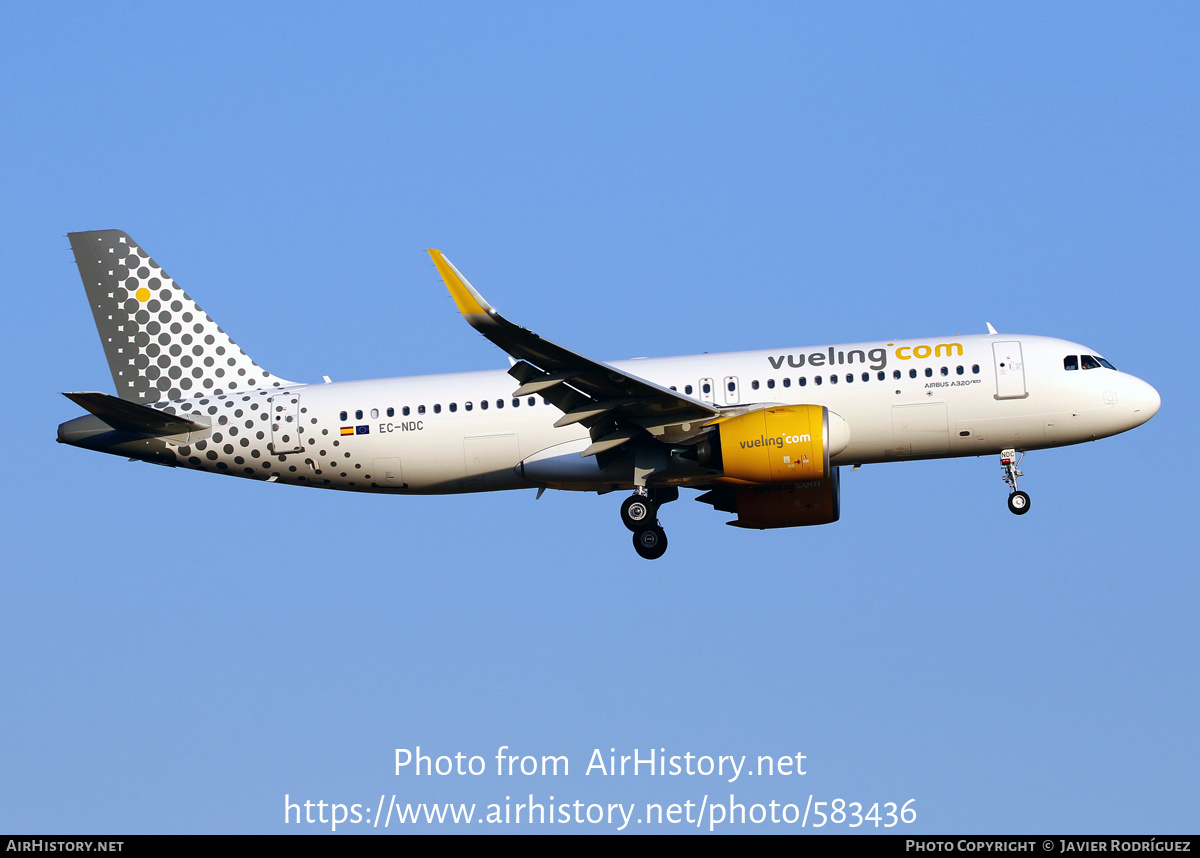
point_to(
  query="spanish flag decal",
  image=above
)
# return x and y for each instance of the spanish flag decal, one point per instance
(347, 430)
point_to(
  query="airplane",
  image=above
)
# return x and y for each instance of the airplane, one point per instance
(760, 434)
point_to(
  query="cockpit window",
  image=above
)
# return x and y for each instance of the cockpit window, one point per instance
(1071, 362)
(1090, 362)
(1105, 363)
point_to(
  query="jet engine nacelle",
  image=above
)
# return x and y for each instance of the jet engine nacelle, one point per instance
(780, 504)
(789, 504)
(787, 444)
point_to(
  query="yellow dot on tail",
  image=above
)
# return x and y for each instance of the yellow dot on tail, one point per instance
(142, 294)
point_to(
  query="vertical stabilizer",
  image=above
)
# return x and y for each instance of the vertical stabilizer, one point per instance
(160, 345)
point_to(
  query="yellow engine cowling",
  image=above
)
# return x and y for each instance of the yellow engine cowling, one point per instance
(788, 444)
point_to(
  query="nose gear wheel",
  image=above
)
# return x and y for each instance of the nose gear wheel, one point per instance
(1018, 501)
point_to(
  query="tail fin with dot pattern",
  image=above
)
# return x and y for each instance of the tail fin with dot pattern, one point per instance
(160, 345)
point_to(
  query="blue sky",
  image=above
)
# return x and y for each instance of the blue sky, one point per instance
(178, 651)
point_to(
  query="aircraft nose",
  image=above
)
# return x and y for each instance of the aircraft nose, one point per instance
(1145, 401)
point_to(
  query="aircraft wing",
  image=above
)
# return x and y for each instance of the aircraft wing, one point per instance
(615, 406)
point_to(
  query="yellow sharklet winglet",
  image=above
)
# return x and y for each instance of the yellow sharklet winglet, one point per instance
(470, 302)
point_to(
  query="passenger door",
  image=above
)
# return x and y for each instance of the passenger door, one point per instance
(285, 424)
(1010, 370)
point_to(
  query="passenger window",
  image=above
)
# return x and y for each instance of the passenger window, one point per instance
(959, 369)
(817, 379)
(731, 386)
(929, 372)
(802, 381)
(882, 375)
(833, 379)
(405, 411)
(866, 376)
(437, 409)
(945, 370)
(1089, 362)
(895, 374)
(754, 384)
(912, 373)
(358, 414)
(343, 416)
(975, 368)
(673, 387)
(499, 403)
(391, 412)
(374, 413)
(687, 388)
(531, 400)
(483, 404)
(516, 403)
(1071, 362)
(420, 409)
(707, 388)
(771, 383)
(467, 406)
(453, 406)
(787, 382)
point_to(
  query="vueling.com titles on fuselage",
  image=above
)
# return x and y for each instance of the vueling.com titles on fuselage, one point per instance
(877, 357)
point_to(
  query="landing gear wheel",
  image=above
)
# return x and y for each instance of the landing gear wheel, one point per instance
(638, 511)
(1018, 503)
(650, 544)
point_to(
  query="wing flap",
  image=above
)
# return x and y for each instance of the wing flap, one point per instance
(591, 408)
(546, 380)
(609, 442)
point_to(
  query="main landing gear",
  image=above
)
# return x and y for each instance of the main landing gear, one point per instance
(651, 543)
(639, 513)
(1018, 502)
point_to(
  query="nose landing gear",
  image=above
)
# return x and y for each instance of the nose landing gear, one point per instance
(639, 513)
(1018, 501)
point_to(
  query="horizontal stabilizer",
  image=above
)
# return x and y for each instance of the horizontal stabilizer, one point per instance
(132, 417)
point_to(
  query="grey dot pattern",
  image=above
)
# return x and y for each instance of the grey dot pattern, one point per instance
(236, 419)
(159, 343)
(165, 352)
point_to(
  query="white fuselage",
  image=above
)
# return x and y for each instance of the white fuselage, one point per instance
(905, 399)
